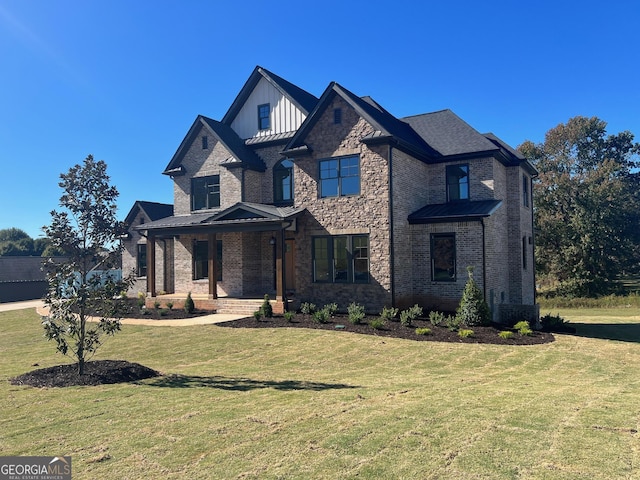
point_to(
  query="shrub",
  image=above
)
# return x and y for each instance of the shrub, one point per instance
(377, 323)
(141, 303)
(321, 316)
(423, 331)
(550, 322)
(465, 333)
(332, 308)
(356, 313)
(409, 315)
(164, 312)
(473, 309)
(266, 308)
(170, 305)
(389, 313)
(307, 308)
(523, 328)
(156, 305)
(288, 316)
(453, 322)
(257, 315)
(189, 306)
(506, 334)
(436, 318)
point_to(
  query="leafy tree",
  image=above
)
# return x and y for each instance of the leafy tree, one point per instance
(87, 234)
(15, 242)
(473, 309)
(587, 206)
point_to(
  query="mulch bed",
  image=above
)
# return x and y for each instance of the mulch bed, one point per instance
(97, 372)
(394, 329)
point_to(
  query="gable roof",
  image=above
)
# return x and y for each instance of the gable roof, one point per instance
(299, 97)
(241, 155)
(387, 126)
(243, 216)
(153, 210)
(513, 156)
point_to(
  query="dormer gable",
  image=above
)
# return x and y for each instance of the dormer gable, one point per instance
(267, 107)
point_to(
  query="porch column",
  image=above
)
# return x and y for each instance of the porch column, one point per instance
(280, 282)
(151, 265)
(211, 257)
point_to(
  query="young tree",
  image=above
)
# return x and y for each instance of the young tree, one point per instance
(587, 205)
(87, 234)
(473, 309)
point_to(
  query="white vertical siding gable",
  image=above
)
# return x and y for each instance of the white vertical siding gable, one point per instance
(284, 115)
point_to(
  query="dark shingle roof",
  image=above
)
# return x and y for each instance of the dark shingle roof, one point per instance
(243, 156)
(455, 212)
(154, 210)
(448, 134)
(301, 98)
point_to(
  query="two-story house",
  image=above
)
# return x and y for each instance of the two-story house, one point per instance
(333, 199)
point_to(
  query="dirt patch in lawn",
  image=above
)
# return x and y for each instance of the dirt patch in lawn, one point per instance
(394, 329)
(97, 372)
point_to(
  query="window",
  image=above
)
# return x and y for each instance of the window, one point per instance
(141, 260)
(201, 260)
(283, 182)
(337, 116)
(525, 190)
(341, 259)
(340, 176)
(443, 257)
(205, 142)
(457, 183)
(263, 116)
(205, 192)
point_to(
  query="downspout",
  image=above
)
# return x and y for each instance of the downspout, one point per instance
(391, 242)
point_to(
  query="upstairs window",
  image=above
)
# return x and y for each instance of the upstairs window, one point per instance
(264, 122)
(457, 183)
(341, 259)
(205, 192)
(525, 191)
(283, 182)
(340, 177)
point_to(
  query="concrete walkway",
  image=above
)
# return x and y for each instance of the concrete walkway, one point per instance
(42, 310)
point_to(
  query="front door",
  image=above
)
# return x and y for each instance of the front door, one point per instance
(289, 264)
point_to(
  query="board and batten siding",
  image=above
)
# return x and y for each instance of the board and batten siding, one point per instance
(284, 115)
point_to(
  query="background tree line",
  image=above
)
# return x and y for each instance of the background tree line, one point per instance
(16, 242)
(586, 207)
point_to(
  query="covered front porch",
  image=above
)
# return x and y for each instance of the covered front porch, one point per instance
(228, 261)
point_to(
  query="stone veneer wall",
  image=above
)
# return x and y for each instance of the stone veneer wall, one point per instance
(366, 213)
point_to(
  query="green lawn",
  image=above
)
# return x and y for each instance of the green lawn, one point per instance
(287, 403)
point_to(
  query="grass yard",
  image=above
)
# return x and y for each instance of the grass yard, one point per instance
(313, 404)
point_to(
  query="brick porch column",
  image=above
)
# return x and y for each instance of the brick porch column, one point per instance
(151, 266)
(211, 258)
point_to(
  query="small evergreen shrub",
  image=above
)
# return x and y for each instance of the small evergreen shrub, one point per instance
(436, 318)
(452, 322)
(156, 305)
(377, 323)
(141, 302)
(307, 308)
(257, 315)
(266, 308)
(164, 312)
(356, 313)
(189, 306)
(389, 314)
(409, 315)
(551, 322)
(523, 328)
(321, 316)
(473, 309)
(332, 308)
(465, 333)
(506, 334)
(423, 331)
(170, 305)
(288, 316)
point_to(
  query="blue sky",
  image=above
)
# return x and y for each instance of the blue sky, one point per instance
(124, 80)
